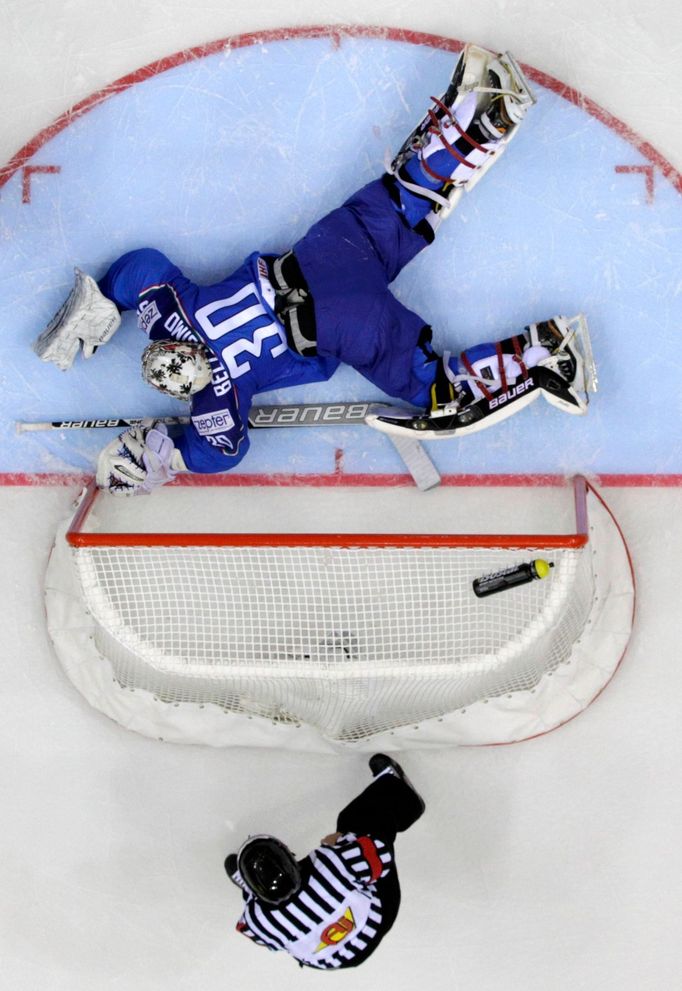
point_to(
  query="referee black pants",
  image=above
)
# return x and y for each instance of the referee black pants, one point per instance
(386, 807)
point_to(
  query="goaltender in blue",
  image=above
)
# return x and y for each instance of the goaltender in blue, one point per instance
(291, 319)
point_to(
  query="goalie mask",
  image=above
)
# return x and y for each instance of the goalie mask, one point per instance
(269, 869)
(178, 368)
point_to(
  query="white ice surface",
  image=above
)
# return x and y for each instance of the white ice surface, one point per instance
(547, 866)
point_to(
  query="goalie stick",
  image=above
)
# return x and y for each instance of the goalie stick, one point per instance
(416, 460)
(293, 415)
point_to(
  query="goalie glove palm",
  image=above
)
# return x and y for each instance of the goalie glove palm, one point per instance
(86, 318)
(139, 460)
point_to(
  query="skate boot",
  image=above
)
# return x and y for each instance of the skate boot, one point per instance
(383, 764)
(465, 131)
(570, 350)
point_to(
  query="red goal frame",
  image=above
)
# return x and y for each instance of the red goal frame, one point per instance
(77, 537)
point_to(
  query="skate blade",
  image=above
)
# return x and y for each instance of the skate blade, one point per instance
(394, 423)
(394, 412)
(583, 345)
(518, 77)
(475, 62)
(578, 408)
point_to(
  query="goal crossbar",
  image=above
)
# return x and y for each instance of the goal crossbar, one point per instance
(77, 537)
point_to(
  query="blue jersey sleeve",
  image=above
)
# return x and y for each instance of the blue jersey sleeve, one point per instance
(202, 457)
(147, 281)
(137, 272)
(216, 438)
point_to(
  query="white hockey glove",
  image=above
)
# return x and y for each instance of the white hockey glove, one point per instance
(139, 460)
(87, 317)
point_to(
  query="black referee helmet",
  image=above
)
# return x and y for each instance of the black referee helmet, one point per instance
(269, 868)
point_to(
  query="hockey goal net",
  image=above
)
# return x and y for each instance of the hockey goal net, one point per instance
(294, 638)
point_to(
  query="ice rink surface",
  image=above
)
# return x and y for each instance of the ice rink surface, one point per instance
(552, 864)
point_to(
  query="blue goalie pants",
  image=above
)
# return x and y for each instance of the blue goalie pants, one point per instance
(349, 258)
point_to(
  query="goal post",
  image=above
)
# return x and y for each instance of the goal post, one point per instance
(331, 639)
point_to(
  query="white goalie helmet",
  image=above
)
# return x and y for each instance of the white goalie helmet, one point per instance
(178, 368)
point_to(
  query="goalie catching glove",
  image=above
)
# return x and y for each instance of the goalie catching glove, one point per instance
(87, 318)
(139, 460)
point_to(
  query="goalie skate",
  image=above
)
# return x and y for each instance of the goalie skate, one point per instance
(570, 345)
(502, 97)
(451, 420)
(564, 379)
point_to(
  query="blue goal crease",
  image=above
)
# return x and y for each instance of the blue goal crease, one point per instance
(221, 156)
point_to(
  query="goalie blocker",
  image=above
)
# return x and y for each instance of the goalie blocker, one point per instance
(326, 302)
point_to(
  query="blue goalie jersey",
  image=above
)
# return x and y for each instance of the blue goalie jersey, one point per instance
(235, 320)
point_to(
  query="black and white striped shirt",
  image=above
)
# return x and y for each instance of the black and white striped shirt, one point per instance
(336, 914)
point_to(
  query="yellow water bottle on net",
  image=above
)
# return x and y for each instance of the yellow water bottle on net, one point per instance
(518, 574)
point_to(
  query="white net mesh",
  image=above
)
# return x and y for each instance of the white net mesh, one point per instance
(353, 641)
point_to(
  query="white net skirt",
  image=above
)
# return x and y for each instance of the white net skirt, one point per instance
(351, 643)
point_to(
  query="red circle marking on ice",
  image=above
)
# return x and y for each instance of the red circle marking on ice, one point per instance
(336, 34)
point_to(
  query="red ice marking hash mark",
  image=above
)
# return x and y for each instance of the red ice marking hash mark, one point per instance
(30, 170)
(335, 33)
(647, 171)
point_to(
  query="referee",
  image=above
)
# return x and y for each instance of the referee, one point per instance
(331, 909)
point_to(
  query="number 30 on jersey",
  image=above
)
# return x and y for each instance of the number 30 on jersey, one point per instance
(251, 309)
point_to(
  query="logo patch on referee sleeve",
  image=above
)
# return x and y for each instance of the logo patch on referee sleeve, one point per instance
(216, 422)
(337, 931)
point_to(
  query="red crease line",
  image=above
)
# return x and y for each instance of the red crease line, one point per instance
(335, 33)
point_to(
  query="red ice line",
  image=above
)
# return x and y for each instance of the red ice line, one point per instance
(647, 171)
(337, 477)
(30, 170)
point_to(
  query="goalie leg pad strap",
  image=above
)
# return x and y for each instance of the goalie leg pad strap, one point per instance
(294, 304)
